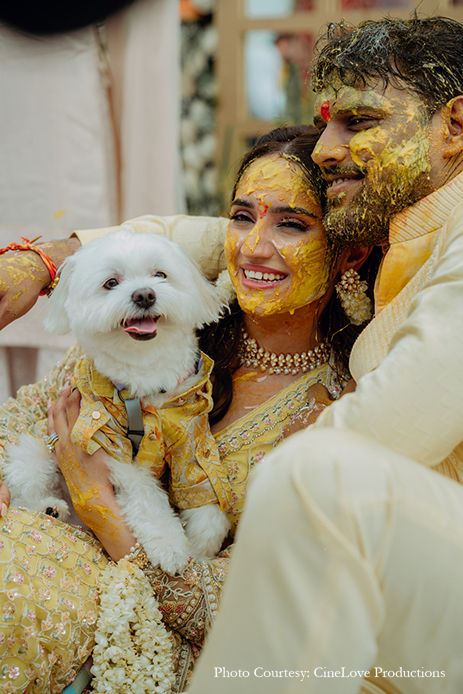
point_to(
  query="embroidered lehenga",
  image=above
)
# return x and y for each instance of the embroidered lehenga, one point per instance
(49, 570)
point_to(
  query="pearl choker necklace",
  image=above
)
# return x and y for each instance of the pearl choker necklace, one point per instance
(252, 355)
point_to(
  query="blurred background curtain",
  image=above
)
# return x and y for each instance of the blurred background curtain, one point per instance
(89, 130)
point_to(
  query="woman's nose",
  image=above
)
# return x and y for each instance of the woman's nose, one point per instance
(257, 242)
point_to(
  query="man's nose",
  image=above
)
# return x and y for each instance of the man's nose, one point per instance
(330, 149)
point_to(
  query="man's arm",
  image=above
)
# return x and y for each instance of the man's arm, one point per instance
(413, 401)
(23, 274)
(203, 237)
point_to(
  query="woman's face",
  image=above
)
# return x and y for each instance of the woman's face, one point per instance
(276, 248)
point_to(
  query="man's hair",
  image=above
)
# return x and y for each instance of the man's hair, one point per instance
(423, 54)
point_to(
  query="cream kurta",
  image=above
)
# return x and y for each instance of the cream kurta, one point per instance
(413, 404)
(203, 237)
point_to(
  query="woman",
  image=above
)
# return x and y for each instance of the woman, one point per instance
(269, 351)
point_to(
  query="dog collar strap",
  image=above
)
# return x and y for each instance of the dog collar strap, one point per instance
(136, 429)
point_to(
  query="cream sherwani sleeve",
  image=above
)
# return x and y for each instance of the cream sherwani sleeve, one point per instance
(413, 401)
(203, 237)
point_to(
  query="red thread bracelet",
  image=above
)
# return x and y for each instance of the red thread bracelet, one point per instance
(28, 246)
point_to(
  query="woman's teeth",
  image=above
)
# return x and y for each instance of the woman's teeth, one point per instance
(267, 277)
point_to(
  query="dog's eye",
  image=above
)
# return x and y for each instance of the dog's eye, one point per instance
(110, 284)
(161, 274)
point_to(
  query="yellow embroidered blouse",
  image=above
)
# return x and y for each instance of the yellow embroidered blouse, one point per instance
(243, 444)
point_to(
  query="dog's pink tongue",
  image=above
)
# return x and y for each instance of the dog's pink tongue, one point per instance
(142, 326)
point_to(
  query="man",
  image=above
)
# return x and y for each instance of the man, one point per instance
(347, 573)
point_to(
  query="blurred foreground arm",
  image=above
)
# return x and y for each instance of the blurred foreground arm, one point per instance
(23, 275)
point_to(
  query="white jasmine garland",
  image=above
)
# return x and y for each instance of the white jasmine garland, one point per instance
(133, 652)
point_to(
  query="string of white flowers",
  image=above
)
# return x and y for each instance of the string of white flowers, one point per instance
(133, 652)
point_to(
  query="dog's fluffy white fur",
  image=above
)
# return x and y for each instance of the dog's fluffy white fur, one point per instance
(98, 311)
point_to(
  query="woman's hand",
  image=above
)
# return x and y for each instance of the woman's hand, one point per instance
(23, 275)
(5, 499)
(88, 479)
(318, 398)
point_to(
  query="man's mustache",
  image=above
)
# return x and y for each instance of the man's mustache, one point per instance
(337, 171)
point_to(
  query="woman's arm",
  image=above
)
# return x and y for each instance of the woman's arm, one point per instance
(188, 600)
(23, 275)
(87, 477)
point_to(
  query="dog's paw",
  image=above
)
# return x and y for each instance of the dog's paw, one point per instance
(175, 563)
(56, 508)
(171, 556)
(206, 528)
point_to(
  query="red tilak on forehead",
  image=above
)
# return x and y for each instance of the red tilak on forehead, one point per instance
(325, 111)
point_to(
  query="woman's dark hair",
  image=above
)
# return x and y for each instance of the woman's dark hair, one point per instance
(221, 341)
(295, 142)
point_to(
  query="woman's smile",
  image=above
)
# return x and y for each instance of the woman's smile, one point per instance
(261, 276)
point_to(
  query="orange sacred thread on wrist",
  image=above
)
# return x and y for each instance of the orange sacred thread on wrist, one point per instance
(29, 246)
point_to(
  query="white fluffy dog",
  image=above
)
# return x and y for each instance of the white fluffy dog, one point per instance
(133, 301)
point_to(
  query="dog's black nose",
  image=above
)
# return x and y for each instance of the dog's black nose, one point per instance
(144, 298)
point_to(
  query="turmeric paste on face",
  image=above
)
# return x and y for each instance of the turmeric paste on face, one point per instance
(279, 231)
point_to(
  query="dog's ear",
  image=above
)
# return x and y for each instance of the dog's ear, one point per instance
(211, 305)
(56, 317)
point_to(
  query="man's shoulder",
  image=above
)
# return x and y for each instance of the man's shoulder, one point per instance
(150, 222)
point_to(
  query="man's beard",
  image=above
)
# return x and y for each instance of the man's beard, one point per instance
(365, 219)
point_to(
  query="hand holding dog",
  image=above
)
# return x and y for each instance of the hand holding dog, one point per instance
(318, 399)
(87, 477)
(4, 499)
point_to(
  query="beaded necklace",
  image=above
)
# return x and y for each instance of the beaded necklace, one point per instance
(251, 354)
